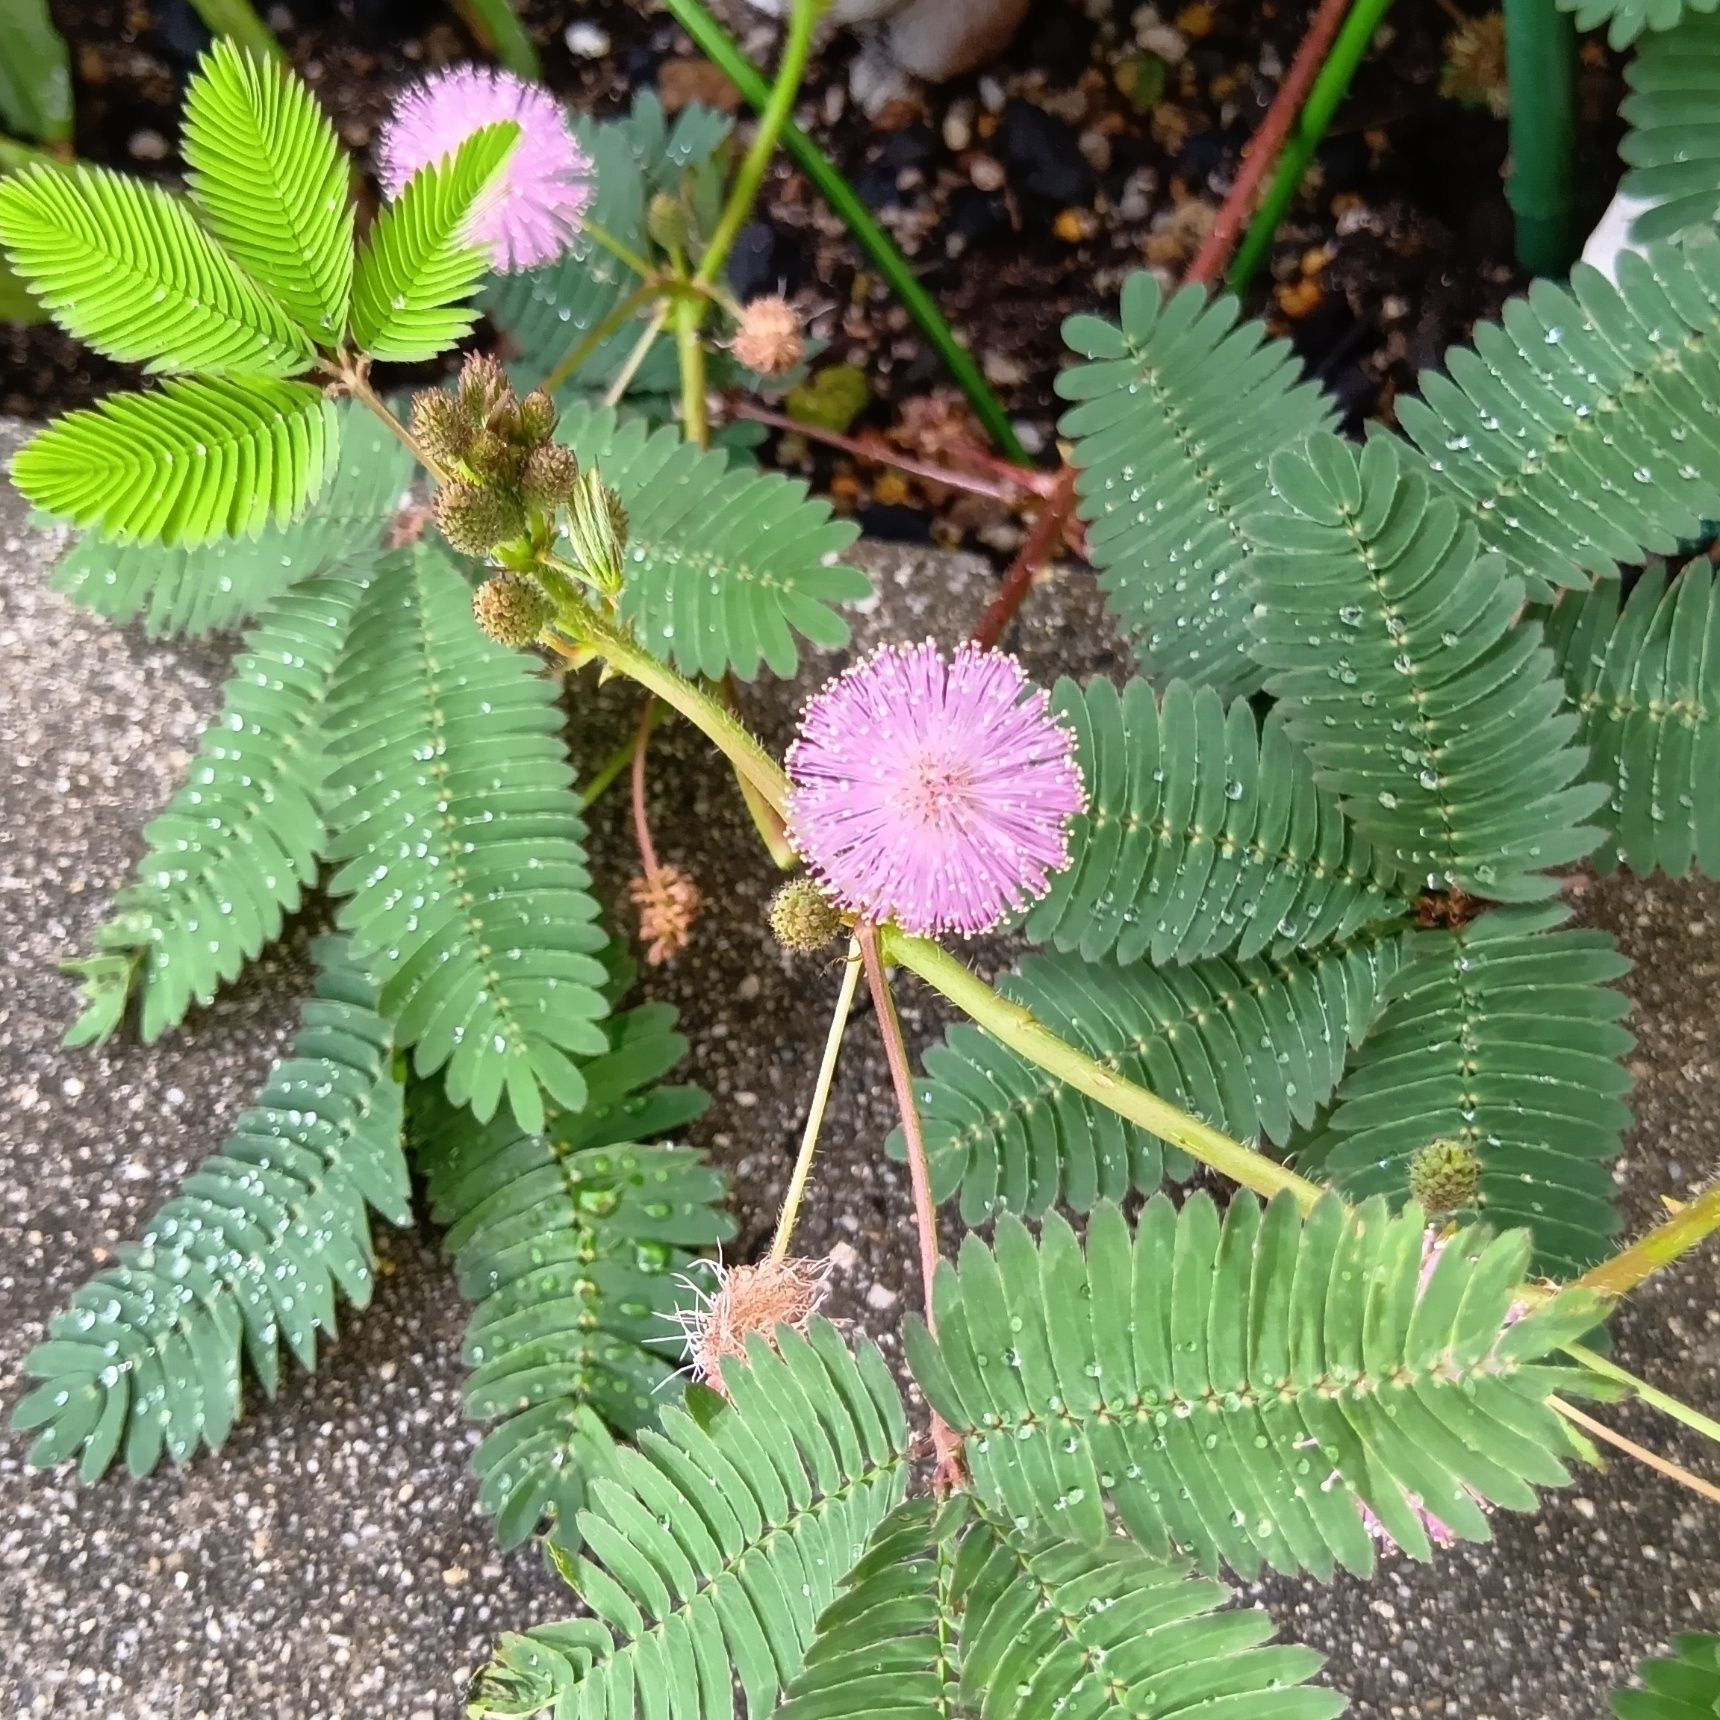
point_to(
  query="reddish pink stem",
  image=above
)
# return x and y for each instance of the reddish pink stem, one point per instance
(641, 824)
(1268, 142)
(1042, 543)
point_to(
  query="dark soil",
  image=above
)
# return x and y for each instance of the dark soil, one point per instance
(1102, 141)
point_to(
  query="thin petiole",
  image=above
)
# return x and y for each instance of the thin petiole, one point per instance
(1665, 1402)
(851, 970)
(1661, 1465)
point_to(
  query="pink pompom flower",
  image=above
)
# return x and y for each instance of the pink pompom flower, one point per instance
(540, 200)
(933, 792)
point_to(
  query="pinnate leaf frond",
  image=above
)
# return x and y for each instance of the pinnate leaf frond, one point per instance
(462, 849)
(185, 464)
(1507, 1036)
(1248, 1390)
(265, 165)
(1205, 833)
(1645, 680)
(235, 848)
(718, 1542)
(1404, 670)
(247, 1256)
(221, 585)
(727, 569)
(1177, 412)
(1580, 431)
(573, 1244)
(1683, 1685)
(125, 266)
(418, 271)
(1251, 1047)
(952, 1615)
(1628, 19)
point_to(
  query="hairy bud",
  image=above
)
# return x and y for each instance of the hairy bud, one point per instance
(597, 529)
(768, 338)
(493, 457)
(442, 424)
(803, 917)
(484, 387)
(550, 477)
(1445, 1177)
(666, 221)
(512, 609)
(537, 417)
(474, 520)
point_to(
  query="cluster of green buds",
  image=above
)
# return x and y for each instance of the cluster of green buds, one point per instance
(1445, 1177)
(508, 491)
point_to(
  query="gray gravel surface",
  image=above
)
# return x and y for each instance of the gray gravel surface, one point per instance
(332, 1561)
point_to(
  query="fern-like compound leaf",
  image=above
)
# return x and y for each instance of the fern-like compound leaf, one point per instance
(1506, 1036)
(1251, 1047)
(1258, 1389)
(125, 266)
(1646, 682)
(952, 1614)
(1424, 702)
(185, 464)
(575, 1245)
(266, 167)
(222, 585)
(726, 569)
(1683, 1685)
(1179, 410)
(1627, 19)
(546, 313)
(238, 844)
(462, 849)
(1204, 833)
(1672, 149)
(1580, 433)
(247, 1256)
(418, 270)
(719, 1541)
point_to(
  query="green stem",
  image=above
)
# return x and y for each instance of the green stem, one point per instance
(1660, 1248)
(1017, 1028)
(1662, 1401)
(1324, 99)
(776, 113)
(1541, 50)
(239, 20)
(499, 32)
(695, 411)
(622, 253)
(606, 330)
(641, 351)
(717, 46)
(605, 776)
(791, 1201)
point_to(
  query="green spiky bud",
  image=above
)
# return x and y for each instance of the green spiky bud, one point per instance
(512, 609)
(484, 387)
(803, 917)
(1445, 1177)
(474, 520)
(442, 425)
(537, 418)
(597, 529)
(666, 221)
(550, 477)
(494, 458)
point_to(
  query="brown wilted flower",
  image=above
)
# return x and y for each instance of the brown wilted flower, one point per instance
(748, 1299)
(668, 902)
(768, 338)
(1475, 71)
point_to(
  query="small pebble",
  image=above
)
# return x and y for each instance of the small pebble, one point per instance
(987, 173)
(148, 146)
(586, 41)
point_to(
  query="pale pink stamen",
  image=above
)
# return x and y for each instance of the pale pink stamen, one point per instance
(535, 210)
(935, 793)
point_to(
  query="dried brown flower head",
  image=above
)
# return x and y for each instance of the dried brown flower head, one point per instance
(768, 338)
(1475, 72)
(668, 902)
(749, 1299)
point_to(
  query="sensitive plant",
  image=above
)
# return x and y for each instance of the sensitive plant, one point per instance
(1292, 896)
